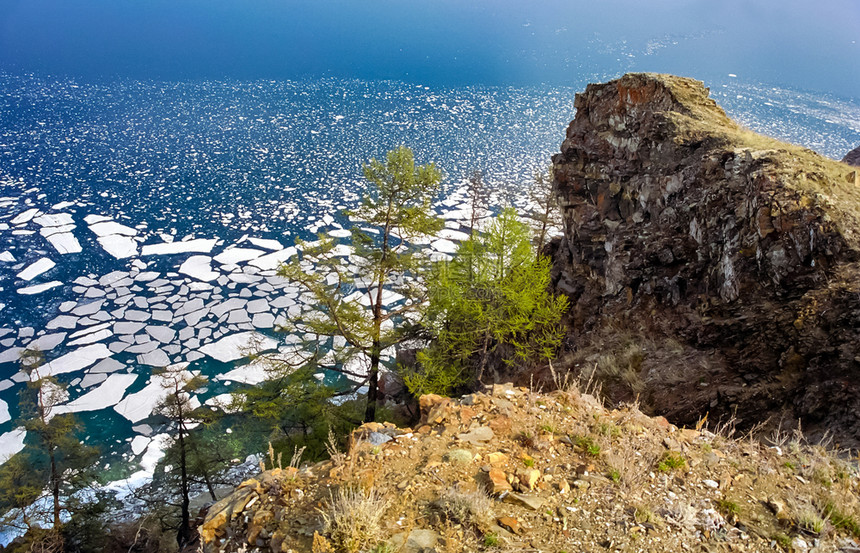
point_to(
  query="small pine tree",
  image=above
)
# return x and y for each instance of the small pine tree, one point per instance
(180, 408)
(489, 308)
(350, 308)
(54, 459)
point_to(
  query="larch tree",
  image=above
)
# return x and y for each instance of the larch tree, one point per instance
(369, 298)
(490, 308)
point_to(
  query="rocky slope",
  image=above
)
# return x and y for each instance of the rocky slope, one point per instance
(711, 269)
(852, 157)
(516, 470)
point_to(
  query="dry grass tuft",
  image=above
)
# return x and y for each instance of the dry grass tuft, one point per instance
(353, 519)
(473, 508)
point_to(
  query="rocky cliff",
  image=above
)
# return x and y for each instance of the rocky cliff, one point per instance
(726, 260)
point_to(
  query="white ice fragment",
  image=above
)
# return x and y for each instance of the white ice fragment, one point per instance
(200, 245)
(4, 412)
(39, 288)
(92, 337)
(109, 393)
(76, 360)
(62, 321)
(163, 334)
(24, 217)
(107, 228)
(273, 260)
(237, 346)
(118, 246)
(139, 444)
(139, 405)
(237, 255)
(444, 245)
(267, 244)
(108, 365)
(198, 266)
(54, 220)
(7, 257)
(36, 268)
(154, 358)
(48, 342)
(11, 443)
(64, 242)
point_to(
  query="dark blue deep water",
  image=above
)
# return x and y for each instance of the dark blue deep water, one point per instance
(232, 128)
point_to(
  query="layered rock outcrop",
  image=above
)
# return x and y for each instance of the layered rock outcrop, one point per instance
(731, 258)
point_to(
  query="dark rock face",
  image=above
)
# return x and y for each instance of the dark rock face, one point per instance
(734, 257)
(852, 157)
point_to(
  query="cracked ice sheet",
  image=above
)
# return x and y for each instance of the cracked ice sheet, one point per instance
(139, 405)
(39, 288)
(37, 268)
(76, 360)
(198, 266)
(200, 245)
(109, 393)
(11, 443)
(256, 371)
(237, 346)
(64, 242)
(237, 255)
(118, 246)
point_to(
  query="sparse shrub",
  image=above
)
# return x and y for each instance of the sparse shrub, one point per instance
(671, 460)
(841, 519)
(728, 508)
(353, 519)
(811, 521)
(467, 508)
(491, 540)
(587, 444)
(614, 475)
(529, 462)
(783, 540)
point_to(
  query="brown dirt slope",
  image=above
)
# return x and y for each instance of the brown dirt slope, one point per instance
(516, 470)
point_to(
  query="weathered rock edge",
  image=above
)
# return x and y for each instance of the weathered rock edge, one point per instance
(682, 225)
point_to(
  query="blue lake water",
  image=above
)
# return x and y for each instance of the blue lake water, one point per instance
(224, 135)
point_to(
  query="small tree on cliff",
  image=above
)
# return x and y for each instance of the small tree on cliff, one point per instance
(180, 408)
(544, 212)
(367, 313)
(490, 307)
(54, 460)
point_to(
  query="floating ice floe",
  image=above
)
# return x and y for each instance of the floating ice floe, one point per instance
(76, 360)
(39, 288)
(7, 257)
(237, 346)
(118, 246)
(139, 405)
(265, 243)
(11, 443)
(273, 260)
(109, 393)
(199, 245)
(4, 412)
(37, 268)
(24, 217)
(198, 266)
(232, 256)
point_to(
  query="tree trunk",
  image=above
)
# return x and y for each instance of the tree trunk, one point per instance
(183, 536)
(55, 490)
(372, 385)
